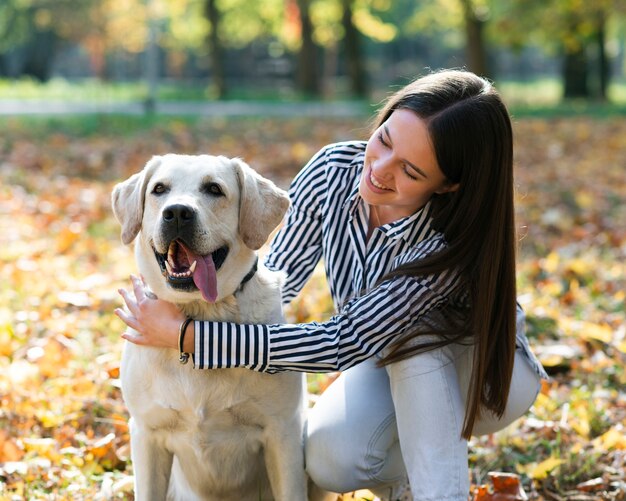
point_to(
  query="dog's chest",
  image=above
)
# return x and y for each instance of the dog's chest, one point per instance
(174, 398)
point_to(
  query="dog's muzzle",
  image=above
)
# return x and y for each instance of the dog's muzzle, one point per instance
(183, 267)
(188, 271)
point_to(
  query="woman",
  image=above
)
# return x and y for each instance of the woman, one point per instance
(416, 228)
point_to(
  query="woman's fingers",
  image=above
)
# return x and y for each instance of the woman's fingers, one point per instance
(127, 318)
(152, 322)
(138, 288)
(130, 335)
(134, 337)
(131, 302)
(135, 300)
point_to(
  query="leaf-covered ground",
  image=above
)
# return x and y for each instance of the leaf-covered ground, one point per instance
(63, 431)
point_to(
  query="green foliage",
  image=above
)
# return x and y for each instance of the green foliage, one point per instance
(539, 98)
(68, 19)
(553, 24)
(14, 25)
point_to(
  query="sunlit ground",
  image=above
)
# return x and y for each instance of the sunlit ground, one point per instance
(63, 431)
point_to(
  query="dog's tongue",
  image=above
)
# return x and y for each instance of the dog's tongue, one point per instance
(204, 276)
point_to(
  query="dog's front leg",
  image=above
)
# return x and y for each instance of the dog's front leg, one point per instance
(284, 460)
(152, 464)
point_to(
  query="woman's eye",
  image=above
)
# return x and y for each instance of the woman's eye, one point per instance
(408, 172)
(159, 188)
(382, 139)
(213, 189)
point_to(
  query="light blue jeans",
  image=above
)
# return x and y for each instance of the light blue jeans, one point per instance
(374, 426)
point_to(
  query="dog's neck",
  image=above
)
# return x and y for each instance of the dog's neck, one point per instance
(249, 275)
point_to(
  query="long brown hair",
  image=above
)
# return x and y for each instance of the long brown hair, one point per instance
(471, 133)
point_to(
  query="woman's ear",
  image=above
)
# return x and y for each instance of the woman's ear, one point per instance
(448, 188)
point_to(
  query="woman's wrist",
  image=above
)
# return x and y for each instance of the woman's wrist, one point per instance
(189, 340)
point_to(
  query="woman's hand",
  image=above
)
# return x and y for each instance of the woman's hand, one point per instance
(156, 321)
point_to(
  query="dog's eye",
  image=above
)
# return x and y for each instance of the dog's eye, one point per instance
(213, 189)
(159, 188)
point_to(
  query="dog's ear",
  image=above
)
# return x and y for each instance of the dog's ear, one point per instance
(262, 205)
(128, 199)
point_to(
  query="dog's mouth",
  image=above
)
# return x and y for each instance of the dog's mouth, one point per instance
(185, 270)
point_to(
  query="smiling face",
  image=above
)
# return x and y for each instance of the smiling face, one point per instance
(400, 171)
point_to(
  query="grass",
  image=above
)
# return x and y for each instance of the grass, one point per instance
(58, 89)
(88, 125)
(93, 90)
(537, 97)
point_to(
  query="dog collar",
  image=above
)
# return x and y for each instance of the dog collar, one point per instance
(249, 276)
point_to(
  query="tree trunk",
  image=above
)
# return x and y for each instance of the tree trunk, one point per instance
(307, 78)
(475, 43)
(575, 72)
(354, 58)
(215, 48)
(39, 55)
(152, 66)
(604, 69)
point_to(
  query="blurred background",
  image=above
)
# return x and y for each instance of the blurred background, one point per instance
(91, 89)
(538, 51)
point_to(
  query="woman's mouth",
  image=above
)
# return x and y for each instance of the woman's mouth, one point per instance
(373, 182)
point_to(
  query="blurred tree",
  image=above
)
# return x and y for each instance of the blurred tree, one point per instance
(343, 28)
(354, 59)
(604, 68)
(104, 23)
(572, 28)
(213, 16)
(463, 23)
(307, 77)
(31, 31)
(475, 17)
(210, 28)
(315, 28)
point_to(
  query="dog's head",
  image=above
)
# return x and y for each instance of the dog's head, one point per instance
(197, 220)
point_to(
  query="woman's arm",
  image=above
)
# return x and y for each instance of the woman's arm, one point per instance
(364, 327)
(297, 247)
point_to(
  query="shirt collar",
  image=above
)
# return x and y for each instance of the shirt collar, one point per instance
(413, 228)
(354, 199)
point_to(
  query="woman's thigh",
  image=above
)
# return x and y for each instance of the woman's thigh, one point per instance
(352, 439)
(352, 432)
(430, 411)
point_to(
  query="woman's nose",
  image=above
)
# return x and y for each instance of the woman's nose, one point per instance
(383, 167)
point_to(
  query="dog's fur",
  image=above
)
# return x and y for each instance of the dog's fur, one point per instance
(231, 434)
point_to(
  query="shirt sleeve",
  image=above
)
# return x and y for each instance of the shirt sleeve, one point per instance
(297, 247)
(364, 327)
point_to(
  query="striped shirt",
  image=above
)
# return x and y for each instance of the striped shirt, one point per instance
(329, 220)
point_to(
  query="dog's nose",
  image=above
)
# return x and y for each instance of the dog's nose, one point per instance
(179, 214)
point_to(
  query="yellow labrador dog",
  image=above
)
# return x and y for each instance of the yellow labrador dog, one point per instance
(230, 434)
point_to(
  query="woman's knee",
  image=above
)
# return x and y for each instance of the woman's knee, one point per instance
(329, 467)
(341, 461)
(351, 429)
